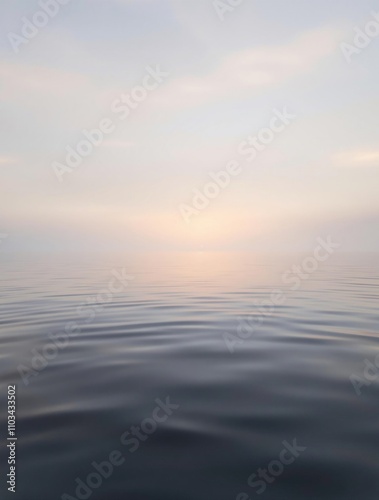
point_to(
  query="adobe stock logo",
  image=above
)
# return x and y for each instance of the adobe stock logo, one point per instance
(100, 472)
(121, 108)
(249, 149)
(370, 374)
(31, 27)
(223, 7)
(43, 355)
(296, 276)
(363, 38)
(262, 477)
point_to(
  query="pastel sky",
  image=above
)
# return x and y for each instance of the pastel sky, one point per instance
(319, 176)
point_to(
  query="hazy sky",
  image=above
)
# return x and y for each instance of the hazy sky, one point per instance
(318, 176)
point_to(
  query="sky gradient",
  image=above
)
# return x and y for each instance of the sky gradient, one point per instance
(225, 78)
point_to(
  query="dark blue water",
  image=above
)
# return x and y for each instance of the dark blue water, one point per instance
(135, 345)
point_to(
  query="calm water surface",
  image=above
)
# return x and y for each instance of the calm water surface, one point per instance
(162, 336)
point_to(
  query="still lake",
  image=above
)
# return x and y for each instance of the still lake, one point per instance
(140, 348)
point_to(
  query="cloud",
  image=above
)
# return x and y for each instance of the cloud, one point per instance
(251, 70)
(22, 78)
(8, 160)
(74, 99)
(359, 158)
